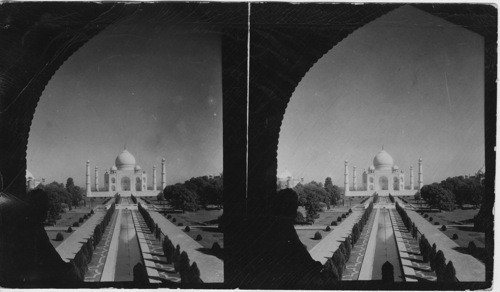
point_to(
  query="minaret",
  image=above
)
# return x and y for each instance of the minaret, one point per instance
(87, 179)
(163, 176)
(354, 178)
(154, 178)
(96, 179)
(420, 174)
(412, 187)
(346, 178)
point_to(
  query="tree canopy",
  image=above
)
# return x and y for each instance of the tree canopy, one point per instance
(195, 193)
(438, 197)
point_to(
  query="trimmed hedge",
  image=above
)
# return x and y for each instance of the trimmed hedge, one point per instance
(471, 248)
(69, 230)
(443, 228)
(328, 228)
(437, 223)
(59, 237)
(317, 235)
(339, 219)
(198, 237)
(187, 229)
(455, 236)
(76, 224)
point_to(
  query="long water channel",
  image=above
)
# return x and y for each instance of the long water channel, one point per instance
(386, 248)
(129, 252)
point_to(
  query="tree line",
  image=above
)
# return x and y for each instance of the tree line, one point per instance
(61, 196)
(313, 194)
(194, 193)
(453, 191)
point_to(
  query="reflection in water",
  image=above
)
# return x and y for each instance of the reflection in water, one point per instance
(129, 253)
(386, 249)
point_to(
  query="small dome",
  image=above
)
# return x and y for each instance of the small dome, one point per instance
(383, 161)
(284, 175)
(113, 168)
(395, 167)
(125, 161)
(29, 176)
(371, 168)
(137, 168)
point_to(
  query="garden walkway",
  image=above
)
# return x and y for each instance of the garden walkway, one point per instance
(154, 256)
(324, 250)
(411, 258)
(96, 265)
(353, 266)
(468, 268)
(211, 268)
(72, 245)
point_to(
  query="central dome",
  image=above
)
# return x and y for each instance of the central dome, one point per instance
(383, 161)
(125, 161)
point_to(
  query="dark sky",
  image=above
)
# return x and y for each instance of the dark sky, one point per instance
(154, 87)
(409, 81)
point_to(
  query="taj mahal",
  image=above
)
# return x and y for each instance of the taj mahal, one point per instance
(126, 177)
(382, 177)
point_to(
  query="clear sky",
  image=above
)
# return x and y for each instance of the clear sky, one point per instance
(156, 88)
(409, 81)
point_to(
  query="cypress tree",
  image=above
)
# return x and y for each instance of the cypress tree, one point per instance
(450, 273)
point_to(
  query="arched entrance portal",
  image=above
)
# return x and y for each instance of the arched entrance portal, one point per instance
(396, 184)
(125, 183)
(138, 184)
(383, 183)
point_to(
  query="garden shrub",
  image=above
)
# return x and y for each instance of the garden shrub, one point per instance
(432, 257)
(80, 220)
(426, 215)
(339, 219)
(194, 274)
(174, 220)
(330, 270)
(343, 216)
(85, 217)
(216, 247)
(450, 273)
(440, 265)
(198, 237)
(76, 224)
(436, 223)
(187, 229)
(176, 257)
(92, 212)
(59, 237)
(455, 236)
(328, 228)
(317, 235)
(180, 224)
(350, 210)
(430, 219)
(443, 228)
(169, 216)
(334, 223)
(69, 230)
(183, 263)
(471, 248)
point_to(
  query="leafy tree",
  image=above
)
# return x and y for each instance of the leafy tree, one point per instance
(181, 197)
(437, 197)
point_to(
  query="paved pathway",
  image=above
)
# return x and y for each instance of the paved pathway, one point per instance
(468, 268)
(211, 268)
(324, 250)
(366, 271)
(96, 265)
(405, 260)
(73, 243)
(353, 266)
(155, 254)
(108, 273)
(422, 271)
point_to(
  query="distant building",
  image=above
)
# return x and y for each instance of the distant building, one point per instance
(286, 180)
(31, 181)
(126, 177)
(382, 177)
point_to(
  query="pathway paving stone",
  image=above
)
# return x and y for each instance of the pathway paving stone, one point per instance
(353, 266)
(166, 271)
(324, 250)
(468, 268)
(96, 265)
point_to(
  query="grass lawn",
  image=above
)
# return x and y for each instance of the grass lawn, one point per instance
(52, 236)
(306, 237)
(69, 217)
(465, 233)
(326, 218)
(203, 218)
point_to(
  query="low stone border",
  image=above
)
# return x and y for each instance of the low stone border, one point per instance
(108, 274)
